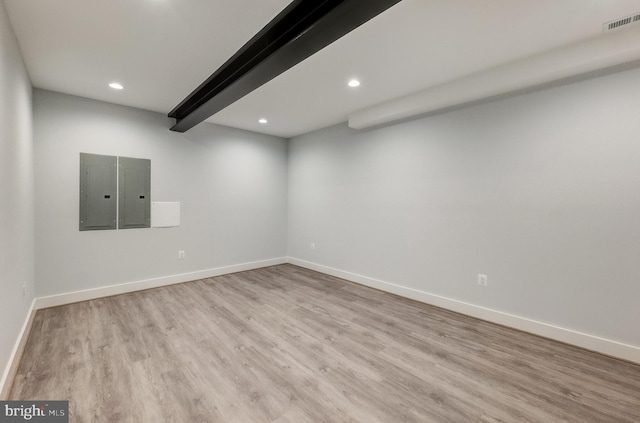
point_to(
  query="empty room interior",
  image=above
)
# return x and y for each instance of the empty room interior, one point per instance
(321, 211)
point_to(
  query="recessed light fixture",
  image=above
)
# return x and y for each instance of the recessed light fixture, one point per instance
(263, 121)
(116, 86)
(354, 83)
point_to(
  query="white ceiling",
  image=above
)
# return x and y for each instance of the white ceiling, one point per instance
(161, 50)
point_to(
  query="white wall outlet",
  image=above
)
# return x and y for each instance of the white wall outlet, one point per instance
(24, 289)
(181, 254)
(482, 280)
(312, 246)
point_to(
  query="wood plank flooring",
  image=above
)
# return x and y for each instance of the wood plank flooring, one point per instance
(288, 345)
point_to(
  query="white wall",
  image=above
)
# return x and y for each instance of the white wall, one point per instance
(231, 183)
(541, 192)
(16, 193)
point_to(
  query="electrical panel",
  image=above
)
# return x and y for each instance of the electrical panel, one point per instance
(98, 195)
(135, 188)
(114, 192)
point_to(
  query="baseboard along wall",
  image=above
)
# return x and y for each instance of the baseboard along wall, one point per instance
(16, 354)
(107, 291)
(593, 343)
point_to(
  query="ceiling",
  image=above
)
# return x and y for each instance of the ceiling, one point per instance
(161, 50)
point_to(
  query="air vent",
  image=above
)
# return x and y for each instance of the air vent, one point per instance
(621, 23)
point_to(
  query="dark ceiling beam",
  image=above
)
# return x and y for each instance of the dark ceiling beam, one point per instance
(300, 30)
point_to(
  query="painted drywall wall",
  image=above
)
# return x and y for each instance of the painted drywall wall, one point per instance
(539, 192)
(231, 185)
(16, 193)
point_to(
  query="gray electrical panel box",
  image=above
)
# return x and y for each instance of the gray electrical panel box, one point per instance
(135, 189)
(98, 182)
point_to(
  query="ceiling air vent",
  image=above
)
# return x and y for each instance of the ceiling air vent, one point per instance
(621, 23)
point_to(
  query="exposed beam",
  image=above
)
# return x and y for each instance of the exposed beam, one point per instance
(300, 30)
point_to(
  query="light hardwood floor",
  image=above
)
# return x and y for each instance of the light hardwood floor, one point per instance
(285, 344)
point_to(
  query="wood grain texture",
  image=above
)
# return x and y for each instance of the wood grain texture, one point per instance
(289, 345)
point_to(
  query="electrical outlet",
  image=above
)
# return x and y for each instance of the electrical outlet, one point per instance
(312, 246)
(482, 280)
(181, 254)
(24, 289)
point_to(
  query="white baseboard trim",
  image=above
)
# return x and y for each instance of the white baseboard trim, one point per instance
(14, 359)
(603, 346)
(107, 291)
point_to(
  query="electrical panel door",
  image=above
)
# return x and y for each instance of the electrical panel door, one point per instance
(98, 201)
(135, 189)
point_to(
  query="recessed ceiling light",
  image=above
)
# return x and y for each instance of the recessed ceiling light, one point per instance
(263, 121)
(354, 83)
(116, 86)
